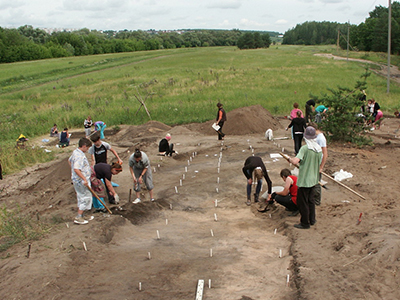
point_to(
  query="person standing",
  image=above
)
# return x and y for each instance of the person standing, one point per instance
(80, 175)
(139, 166)
(310, 105)
(254, 164)
(164, 147)
(293, 113)
(105, 171)
(309, 160)
(298, 124)
(88, 126)
(221, 118)
(99, 150)
(321, 140)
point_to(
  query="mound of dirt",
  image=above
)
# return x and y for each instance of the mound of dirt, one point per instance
(242, 121)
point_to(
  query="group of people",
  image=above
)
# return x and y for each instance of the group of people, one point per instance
(97, 175)
(300, 194)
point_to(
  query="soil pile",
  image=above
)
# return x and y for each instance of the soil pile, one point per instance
(242, 121)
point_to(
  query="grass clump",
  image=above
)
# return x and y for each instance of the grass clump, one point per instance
(13, 158)
(16, 227)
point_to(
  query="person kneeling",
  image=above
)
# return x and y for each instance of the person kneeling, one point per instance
(165, 148)
(287, 197)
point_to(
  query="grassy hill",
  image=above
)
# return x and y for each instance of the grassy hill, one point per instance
(180, 86)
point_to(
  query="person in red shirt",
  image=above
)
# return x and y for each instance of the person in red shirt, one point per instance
(287, 197)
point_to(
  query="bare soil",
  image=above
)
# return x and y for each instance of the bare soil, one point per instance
(232, 245)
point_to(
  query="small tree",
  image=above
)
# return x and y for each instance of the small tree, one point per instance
(342, 122)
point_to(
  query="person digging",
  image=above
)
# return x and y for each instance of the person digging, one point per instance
(255, 165)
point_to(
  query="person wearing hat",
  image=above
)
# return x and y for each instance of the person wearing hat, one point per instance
(309, 161)
(221, 118)
(164, 147)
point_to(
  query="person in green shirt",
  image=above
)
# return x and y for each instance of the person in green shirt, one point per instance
(309, 160)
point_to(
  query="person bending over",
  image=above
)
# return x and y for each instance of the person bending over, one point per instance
(287, 197)
(256, 165)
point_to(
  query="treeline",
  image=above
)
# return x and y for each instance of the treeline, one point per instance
(371, 35)
(28, 43)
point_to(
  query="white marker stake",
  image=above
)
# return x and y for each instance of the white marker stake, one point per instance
(84, 246)
(216, 190)
(188, 162)
(149, 255)
(154, 169)
(158, 165)
(252, 150)
(161, 158)
(176, 189)
(183, 177)
(210, 252)
(66, 224)
(180, 182)
(140, 286)
(219, 165)
(158, 235)
(170, 206)
(280, 253)
(275, 231)
(218, 170)
(215, 217)
(216, 202)
(185, 169)
(218, 180)
(190, 158)
(166, 221)
(209, 283)
(212, 232)
(287, 279)
(283, 150)
(270, 216)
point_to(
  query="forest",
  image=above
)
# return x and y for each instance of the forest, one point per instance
(371, 35)
(28, 43)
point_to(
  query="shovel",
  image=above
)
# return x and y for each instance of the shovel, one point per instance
(98, 198)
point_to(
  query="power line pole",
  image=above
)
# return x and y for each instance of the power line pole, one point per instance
(389, 45)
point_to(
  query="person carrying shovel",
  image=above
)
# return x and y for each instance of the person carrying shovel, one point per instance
(80, 175)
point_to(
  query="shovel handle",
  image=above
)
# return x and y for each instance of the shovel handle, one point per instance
(98, 198)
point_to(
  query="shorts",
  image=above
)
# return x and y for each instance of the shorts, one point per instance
(88, 131)
(84, 196)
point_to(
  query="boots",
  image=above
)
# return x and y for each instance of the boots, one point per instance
(256, 198)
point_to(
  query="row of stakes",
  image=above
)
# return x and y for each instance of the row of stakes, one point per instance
(194, 154)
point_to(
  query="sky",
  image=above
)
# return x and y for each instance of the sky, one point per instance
(265, 15)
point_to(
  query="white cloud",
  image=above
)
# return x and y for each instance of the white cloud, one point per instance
(225, 4)
(281, 22)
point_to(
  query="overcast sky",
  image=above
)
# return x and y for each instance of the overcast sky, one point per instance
(269, 15)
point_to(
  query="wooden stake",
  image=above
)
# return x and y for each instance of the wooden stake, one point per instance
(84, 246)
(140, 286)
(149, 255)
(28, 253)
(215, 218)
(158, 235)
(212, 232)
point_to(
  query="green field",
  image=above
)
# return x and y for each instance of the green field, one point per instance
(180, 85)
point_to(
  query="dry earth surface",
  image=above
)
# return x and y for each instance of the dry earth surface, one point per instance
(335, 259)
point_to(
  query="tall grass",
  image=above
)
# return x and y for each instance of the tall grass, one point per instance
(16, 227)
(180, 85)
(13, 159)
